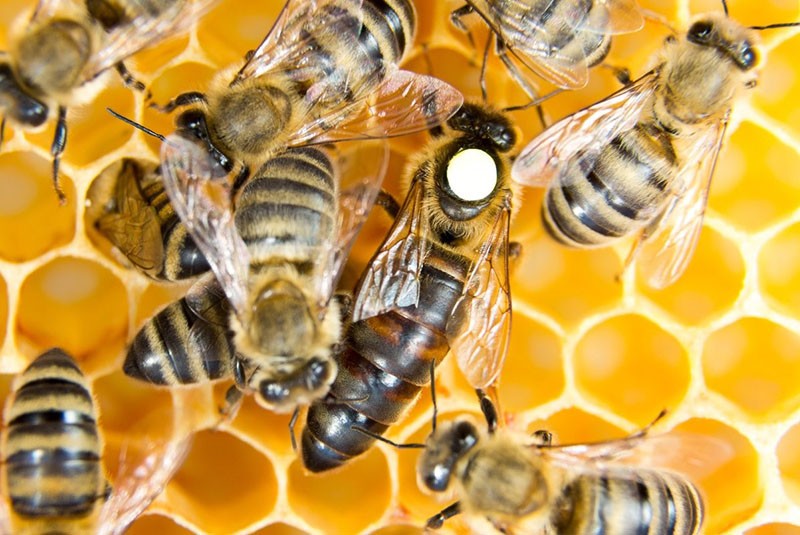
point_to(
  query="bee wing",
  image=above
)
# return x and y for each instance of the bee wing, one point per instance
(392, 278)
(144, 30)
(209, 338)
(583, 132)
(289, 43)
(361, 167)
(202, 201)
(690, 453)
(155, 449)
(668, 244)
(46, 9)
(624, 16)
(404, 103)
(479, 328)
(132, 226)
(5, 516)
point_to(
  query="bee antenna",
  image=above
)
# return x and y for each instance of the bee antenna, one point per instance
(778, 25)
(725, 7)
(136, 125)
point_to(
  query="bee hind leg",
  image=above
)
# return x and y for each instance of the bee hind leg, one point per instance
(455, 19)
(437, 520)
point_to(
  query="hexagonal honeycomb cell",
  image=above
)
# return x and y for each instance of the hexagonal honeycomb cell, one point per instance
(594, 355)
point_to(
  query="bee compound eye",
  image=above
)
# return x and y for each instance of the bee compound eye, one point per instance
(464, 437)
(747, 55)
(472, 174)
(317, 372)
(700, 32)
(273, 392)
(438, 478)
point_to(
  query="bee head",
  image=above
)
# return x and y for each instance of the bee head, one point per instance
(443, 449)
(192, 125)
(282, 323)
(19, 105)
(299, 385)
(735, 42)
(489, 126)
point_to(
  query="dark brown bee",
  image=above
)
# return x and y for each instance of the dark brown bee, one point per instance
(438, 283)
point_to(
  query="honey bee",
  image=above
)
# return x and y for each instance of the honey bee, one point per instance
(531, 486)
(269, 317)
(438, 283)
(640, 162)
(325, 72)
(52, 472)
(138, 219)
(557, 40)
(59, 54)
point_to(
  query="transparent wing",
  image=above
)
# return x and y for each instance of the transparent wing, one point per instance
(694, 454)
(210, 340)
(392, 278)
(480, 326)
(143, 31)
(404, 103)
(5, 516)
(624, 16)
(583, 132)
(668, 246)
(200, 195)
(131, 224)
(155, 449)
(290, 47)
(361, 168)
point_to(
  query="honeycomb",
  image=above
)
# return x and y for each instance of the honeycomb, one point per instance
(593, 356)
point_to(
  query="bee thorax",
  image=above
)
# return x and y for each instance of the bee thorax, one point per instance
(52, 58)
(251, 118)
(281, 322)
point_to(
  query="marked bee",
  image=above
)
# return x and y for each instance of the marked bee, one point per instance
(640, 162)
(138, 219)
(52, 472)
(528, 485)
(268, 317)
(325, 72)
(438, 283)
(59, 54)
(558, 40)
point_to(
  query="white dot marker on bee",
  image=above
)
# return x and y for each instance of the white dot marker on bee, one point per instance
(472, 174)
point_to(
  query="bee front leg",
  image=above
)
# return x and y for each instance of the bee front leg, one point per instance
(437, 520)
(57, 149)
(388, 203)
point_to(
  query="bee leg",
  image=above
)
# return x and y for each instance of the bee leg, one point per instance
(292, 424)
(488, 409)
(437, 520)
(455, 19)
(2, 131)
(128, 79)
(184, 99)
(482, 81)
(345, 302)
(233, 402)
(523, 82)
(57, 149)
(622, 74)
(388, 203)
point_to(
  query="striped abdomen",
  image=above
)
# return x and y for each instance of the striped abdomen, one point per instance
(625, 502)
(386, 35)
(183, 344)
(561, 23)
(182, 259)
(287, 213)
(383, 366)
(52, 447)
(624, 189)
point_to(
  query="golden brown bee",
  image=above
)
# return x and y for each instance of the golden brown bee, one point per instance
(640, 162)
(59, 54)
(531, 486)
(268, 318)
(138, 219)
(326, 71)
(557, 40)
(438, 283)
(52, 472)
